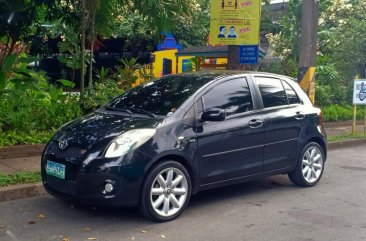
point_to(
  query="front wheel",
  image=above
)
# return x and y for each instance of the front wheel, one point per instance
(310, 167)
(166, 192)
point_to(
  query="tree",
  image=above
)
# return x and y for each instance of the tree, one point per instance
(20, 20)
(95, 16)
(286, 43)
(348, 42)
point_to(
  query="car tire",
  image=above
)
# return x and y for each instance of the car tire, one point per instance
(310, 166)
(166, 191)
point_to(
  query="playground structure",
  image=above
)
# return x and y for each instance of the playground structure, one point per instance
(171, 58)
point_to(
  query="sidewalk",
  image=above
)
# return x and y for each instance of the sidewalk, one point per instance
(31, 164)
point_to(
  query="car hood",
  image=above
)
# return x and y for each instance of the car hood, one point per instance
(102, 124)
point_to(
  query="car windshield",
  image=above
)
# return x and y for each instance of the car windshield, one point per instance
(162, 96)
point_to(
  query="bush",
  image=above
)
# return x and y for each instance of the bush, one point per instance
(24, 113)
(102, 94)
(341, 113)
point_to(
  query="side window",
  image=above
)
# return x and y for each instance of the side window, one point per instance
(291, 94)
(272, 91)
(233, 96)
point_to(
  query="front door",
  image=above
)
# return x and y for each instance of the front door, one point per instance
(232, 148)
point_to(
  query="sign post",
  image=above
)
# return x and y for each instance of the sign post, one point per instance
(359, 98)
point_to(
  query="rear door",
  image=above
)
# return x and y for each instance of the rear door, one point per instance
(284, 121)
(232, 148)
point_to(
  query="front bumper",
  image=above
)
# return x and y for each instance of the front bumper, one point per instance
(85, 183)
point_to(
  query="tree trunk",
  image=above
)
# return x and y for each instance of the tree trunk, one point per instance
(92, 40)
(234, 58)
(82, 48)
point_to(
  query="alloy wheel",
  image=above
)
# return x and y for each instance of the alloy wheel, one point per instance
(312, 164)
(169, 192)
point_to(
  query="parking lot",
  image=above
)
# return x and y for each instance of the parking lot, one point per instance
(266, 209)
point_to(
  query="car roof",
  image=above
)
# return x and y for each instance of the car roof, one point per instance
(227, 73)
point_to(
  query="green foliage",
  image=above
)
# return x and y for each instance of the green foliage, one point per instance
(341, 113)
(30, 108)
(348, 42)
(19, 178)
(100, 95)
(126, 73)
(36, 111)
(11, 138)
(329, 87)
(104, 74)
(193, 29)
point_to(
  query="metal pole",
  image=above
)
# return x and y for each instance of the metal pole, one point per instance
(354, 119)
(364, 123)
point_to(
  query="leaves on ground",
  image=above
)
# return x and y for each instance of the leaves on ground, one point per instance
(92, 238)
(41, 215)
(31, 222)
(162, 236)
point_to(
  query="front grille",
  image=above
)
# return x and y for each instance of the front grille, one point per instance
(69, 152)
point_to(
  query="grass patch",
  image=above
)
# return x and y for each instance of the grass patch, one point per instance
(346, 137)
(19, 178)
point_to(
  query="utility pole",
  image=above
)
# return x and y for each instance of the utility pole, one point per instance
(308, 47)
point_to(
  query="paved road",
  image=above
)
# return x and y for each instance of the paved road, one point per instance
(267, 209)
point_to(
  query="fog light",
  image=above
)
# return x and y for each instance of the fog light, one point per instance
(108, 187)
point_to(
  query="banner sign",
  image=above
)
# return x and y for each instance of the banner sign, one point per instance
(359, 92)
(249, 54)
(235, 9)
(235, 22)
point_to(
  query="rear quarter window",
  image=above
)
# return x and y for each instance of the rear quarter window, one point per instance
(272, 92)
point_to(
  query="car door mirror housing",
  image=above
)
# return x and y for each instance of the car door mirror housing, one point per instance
(215, 114)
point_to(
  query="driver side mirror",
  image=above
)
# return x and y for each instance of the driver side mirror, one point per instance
(214, 114)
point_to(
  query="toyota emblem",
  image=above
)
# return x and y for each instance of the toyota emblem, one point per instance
(63, 144)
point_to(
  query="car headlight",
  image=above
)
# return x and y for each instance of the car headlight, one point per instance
(129, 140)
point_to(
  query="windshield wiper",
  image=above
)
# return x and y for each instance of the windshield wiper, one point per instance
(108, 107)
(131, 110)
(143, 111)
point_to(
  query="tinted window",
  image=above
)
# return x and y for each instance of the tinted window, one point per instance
(291, 94)
(162, 96)
(233, 96)
(272, 91)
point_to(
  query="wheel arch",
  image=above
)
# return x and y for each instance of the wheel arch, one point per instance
(183, 161)
(320, 142)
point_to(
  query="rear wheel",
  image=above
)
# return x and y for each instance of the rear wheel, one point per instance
(310, 167)
(166, 191)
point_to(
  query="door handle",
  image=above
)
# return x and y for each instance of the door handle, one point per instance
(255, 123)
(299, 115)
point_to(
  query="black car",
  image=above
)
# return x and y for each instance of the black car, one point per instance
(159, 143)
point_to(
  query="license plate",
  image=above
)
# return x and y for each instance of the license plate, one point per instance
(55, 169)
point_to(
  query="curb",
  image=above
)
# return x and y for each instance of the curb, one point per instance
(336, 124)
(21, 151)
(14, 192)
(21, 191)
(344, 144)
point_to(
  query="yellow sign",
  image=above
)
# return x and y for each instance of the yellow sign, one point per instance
(235, 9)
(235, 22)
